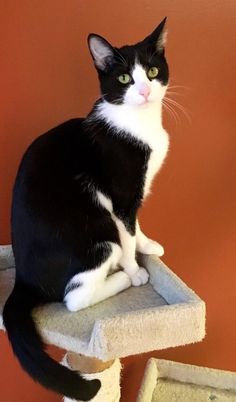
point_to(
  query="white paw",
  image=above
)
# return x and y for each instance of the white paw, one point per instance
(129, 266)
(123, 279)
(152, 247)
(140, 277)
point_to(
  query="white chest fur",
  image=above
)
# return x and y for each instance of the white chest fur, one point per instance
(156, 159)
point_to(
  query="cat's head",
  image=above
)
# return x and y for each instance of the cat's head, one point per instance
(133, 75)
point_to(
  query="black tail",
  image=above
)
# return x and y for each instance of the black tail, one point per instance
(28, 347)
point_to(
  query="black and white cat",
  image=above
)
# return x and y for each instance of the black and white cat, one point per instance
(76, 198)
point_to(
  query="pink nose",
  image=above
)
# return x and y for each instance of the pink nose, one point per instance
(144, 90)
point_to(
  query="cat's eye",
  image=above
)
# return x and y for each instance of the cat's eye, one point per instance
(152, 72)
(124, 78)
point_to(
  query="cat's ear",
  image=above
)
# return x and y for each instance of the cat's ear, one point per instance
(101, 50)
(158, 37)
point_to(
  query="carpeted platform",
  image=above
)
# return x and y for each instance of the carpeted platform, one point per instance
(135, 321)
(170, 381)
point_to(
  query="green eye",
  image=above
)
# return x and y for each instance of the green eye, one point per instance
(124, 78)
(152, 72)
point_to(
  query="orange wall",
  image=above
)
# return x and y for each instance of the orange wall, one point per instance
(47, 77)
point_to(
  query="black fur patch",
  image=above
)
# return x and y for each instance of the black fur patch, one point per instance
(72, 286)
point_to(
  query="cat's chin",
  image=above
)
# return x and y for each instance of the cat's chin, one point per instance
(146, 103)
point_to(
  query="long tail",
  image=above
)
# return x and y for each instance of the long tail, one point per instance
(28, 347)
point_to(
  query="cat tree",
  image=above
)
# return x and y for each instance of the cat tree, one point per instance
(164, 313)
(165, 380)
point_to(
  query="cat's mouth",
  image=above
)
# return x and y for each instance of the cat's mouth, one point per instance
(147, 101)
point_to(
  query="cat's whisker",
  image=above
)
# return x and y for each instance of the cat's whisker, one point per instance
(170, 86)
(171, 111)
(121, 57)
(165, 107)
(180, 107)
(153, 54)
(173, 93)
(118, 100)
(121, 62)
(103, 96)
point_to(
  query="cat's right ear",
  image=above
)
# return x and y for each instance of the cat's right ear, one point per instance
(101, 50)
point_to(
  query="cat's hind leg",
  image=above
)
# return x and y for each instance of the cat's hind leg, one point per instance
(90, 287)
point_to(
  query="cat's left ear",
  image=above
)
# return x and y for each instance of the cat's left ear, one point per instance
(158, 37)
(102, 52)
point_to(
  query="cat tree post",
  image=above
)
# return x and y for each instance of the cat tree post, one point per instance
(164, 313)
(107, 372)
(85, 364)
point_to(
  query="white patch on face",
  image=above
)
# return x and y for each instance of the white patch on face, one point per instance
(143, 90)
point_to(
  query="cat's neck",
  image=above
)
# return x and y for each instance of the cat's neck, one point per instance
(141, 122)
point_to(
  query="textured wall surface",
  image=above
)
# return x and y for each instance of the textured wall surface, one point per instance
(47, 77)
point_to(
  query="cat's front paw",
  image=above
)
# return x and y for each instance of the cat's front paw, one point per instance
(140, 277)
(123, 279)
(152, 247)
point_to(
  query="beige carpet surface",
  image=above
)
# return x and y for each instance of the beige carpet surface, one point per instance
(164, 313)
(174, 391)
(168, 381)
